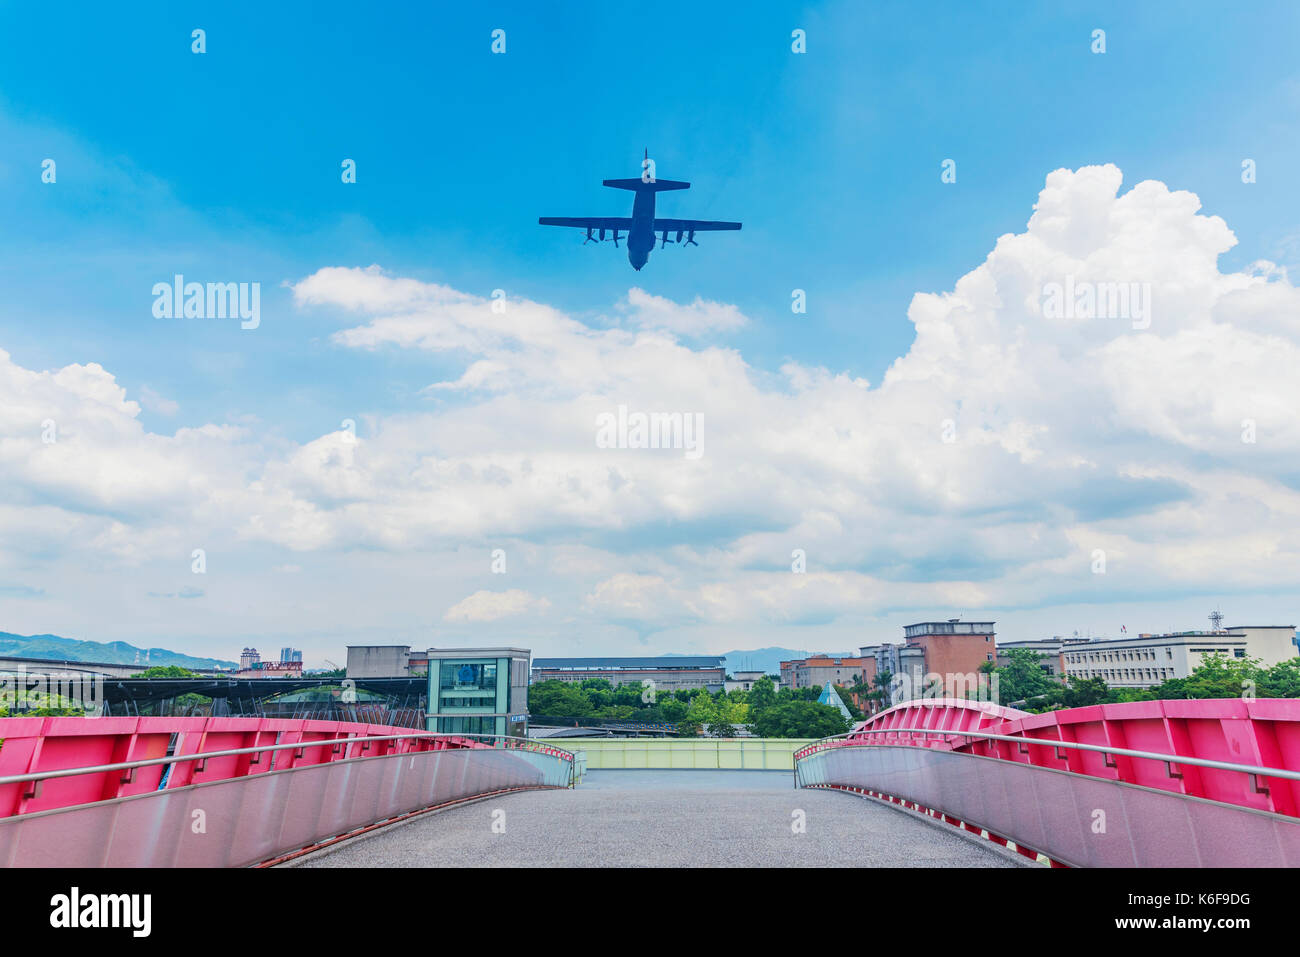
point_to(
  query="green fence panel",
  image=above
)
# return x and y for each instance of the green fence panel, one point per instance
(685, 754)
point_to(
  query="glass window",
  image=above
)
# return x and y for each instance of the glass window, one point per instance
(467, 684)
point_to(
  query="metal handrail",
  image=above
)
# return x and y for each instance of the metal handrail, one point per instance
(524, 745)
(1051, 743)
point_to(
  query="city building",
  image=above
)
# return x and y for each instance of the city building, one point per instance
(271, 669)
(478, 691)
(247, 658)
(953, 649)
(1271, 644)
(290, 654)
(669, 673)
(1052, 662)
(905, 665)
(379, 661)
(936, 659)
(744, 680)
(1147, 660)
(817, 669)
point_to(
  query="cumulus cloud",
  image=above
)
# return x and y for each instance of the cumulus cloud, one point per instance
(154, 402)
(80, 472)
(697, 318)
(994, 459)
(485, 606)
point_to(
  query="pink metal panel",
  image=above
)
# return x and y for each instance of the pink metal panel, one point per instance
(30, 745)
(940, 714)
(1263, 732)
(20, 739)
(77, 742)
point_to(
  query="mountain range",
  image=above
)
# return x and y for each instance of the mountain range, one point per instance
(55, 648)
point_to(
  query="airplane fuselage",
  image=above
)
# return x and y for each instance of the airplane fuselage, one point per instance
(641, 237)
(640, 228)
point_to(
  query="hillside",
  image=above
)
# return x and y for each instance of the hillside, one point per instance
(55, 648)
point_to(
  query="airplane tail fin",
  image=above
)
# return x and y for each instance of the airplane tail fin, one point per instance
(636, 185)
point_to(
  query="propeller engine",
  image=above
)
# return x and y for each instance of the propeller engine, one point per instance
(690, 240)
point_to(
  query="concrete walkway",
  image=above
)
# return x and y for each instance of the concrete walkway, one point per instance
(668, 819)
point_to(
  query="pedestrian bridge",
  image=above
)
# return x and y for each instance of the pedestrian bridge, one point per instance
(940, 782)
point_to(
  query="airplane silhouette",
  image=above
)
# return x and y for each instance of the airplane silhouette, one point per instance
(642, 225)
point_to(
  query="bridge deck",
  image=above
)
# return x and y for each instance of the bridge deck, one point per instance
(668, 819)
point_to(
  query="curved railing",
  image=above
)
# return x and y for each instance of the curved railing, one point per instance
(1090, 786)
(32, 745)
(941, 714)
(267, 811)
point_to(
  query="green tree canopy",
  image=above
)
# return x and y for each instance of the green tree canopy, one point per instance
(761, 695)
(799, 719)
(168, 671)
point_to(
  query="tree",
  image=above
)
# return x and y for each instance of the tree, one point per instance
(800, 719)
(558, 699)
(167, 671)
(672, 710)
(702, 711)
(882, 681)
(1281, 681)
(1217, 676)
(1079, 692)
(688, 729)
(761, 695)
(631, 694)
(1022, 677)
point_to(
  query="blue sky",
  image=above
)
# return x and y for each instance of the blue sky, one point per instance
(226, 167)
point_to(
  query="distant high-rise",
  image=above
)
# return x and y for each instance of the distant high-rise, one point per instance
(289, 654)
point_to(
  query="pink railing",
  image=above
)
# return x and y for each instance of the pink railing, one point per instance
(1263, 732)
(36, 745)
(937, 714)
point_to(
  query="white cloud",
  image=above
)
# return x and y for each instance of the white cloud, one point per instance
(154, 402)
(700, 317)
(486, 606)
(1068, 435)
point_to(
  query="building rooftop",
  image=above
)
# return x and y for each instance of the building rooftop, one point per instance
(953, 626)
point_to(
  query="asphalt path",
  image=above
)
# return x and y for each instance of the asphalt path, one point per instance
(668, 819)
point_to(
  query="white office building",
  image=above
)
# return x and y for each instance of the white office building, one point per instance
(1147, 660)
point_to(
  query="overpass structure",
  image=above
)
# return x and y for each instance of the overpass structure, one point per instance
(1146, 784)
(106, 669)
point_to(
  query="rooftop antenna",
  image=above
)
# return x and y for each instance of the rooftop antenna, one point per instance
(1216, 620)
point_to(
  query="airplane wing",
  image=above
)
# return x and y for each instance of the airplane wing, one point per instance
(588, 222)
(698, 225)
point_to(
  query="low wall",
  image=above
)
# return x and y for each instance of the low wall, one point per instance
(711, 754)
